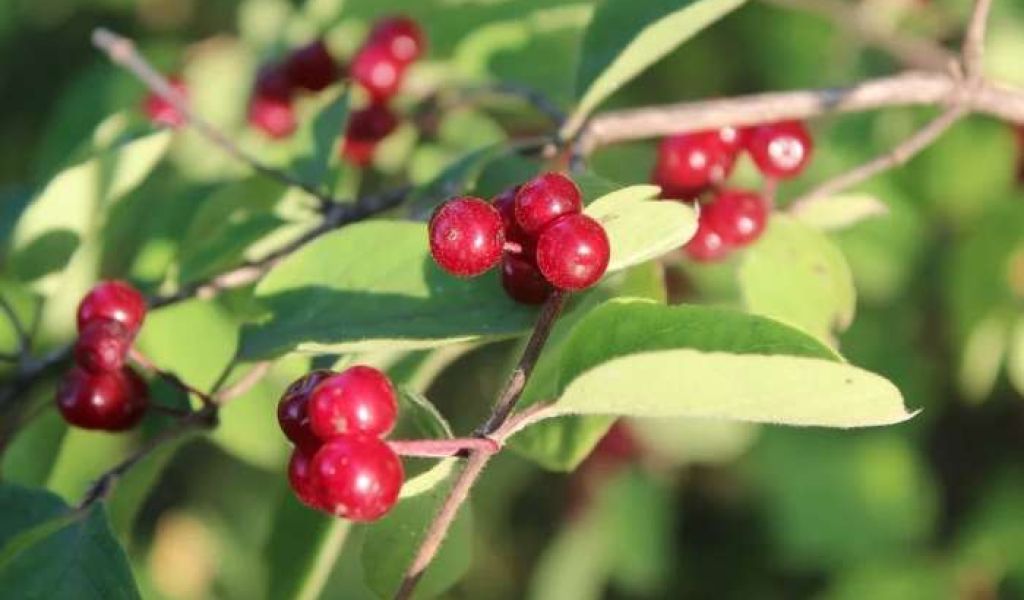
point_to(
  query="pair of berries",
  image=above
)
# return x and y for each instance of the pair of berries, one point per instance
(100, 391)
(546, 241)
(731, 219)
(310, 68)
(689, 164)
(340, 463)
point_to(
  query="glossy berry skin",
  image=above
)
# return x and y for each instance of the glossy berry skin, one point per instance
(466, 236)
(311, 67)
(113, 300)
(359, 400)
(505, 202)
(365, 129)
(357, 477)
(780, 150)
(111, 401)
(300, 477)
(689, 163)
(377, 72)
(293, 409)
(273, 116)
(573, 252)
(160, 111)
(545, 198)
(273, 82)
(401, 37)
(102, 346)
(738, 216)
(523, 282)
(706, 245)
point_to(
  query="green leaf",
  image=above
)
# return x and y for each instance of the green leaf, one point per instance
(325, 133)
(840, 212)
(302, 549)
(626, 37)
(797, 275)
(373, 285)
(454, 180)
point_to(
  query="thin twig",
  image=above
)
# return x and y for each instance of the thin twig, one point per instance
(243, 385)
(143, 361)
(974, 39)
(444, 447)
(24, 338)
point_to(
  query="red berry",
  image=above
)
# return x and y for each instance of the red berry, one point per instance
(366, 128)
(377, 71)
(162, 112)
(781, 150)
(272, 116)
(400, 36)
(112, 400)
(505, 202)
(358, 477)
(690, 162)
(273, 82)
(573, 252)
(292, 409)
(360, 399)
(738, 216)
(545, 198)
(312, 67)
(466, 236)
(102, 346)
(706, 245)
(113, 300)
(523, 282)
(300, 477)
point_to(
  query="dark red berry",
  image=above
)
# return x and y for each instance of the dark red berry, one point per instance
(401, 37)
(300, 477)
(273, 116)
(505, 202)
(545, 198)
(357, 477)
(466, 236)
(113, 300)
(312, 67)
(781, 150)
(162, 112)
(573, 252)
(377, 72)
(292, 409)
(706, 245)
(102, 346)
(523, 281)
(691, 162)
(736, 215)
(365, 129)
(112, 400)
(360, 399)
(273, 82)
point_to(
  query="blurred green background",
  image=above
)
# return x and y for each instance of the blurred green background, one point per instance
(933, 508)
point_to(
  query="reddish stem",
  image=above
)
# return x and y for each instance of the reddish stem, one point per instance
(443, 448)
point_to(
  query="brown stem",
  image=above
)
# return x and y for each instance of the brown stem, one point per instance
(143, 361)
(20, 331)
(443, 448)
(973, 50)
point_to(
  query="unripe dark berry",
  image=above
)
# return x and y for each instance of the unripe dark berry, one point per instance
(357, 477)
(401, 37)
(523, 281)
(365, 129)
(545, 198)
(505, 202)
(102, 346)
(273, 82)
(738, 216)
(377, 72)
(780, 150)
(312, 67)
(466, 236)
(573, 252)
(113, 300)
(111, 401)
(300, 477)
(293, 409)
(359, 400)
(689, 163)
(160, 111)
(272, 116)
(706, 245)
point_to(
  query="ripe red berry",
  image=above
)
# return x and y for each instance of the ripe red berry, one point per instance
(360, 399)
(273, 82)
(573, 252)
(113, 300)
(401, 37)
(466, 236)
(300, 477)
(312, 67)
(781, 150)
(102, 346)
(691, 162)
(706, 245)
(273, 116)
(545, 198)
(738, 216)
(112, 400)
(162, 112)
(523, 282)
(377, 72)
(505, 202)
(293, 413)
(357, 477)
(365, 129)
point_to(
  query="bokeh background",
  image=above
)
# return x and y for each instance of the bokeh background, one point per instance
(933, 508)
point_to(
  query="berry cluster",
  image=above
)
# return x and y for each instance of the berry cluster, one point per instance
(340, 463)
(539, 229)
(101, 391)
(310, 68)
(691, 164)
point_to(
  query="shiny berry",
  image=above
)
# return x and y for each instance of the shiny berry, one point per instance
(112, 400)
(523, 281)
(365, 129)
(357, 477)
(573, 252)
(377, 72)
(505, 202)
(360, 399)
(162, 112)
(466, 236)
(545, 198)
(292, 409)
(273, 82)
(706, 245)
(312, 67)
(102, 346)
(691, 162)
(300, 477)
(738, 216)
(273, 116)
(401, 37)
(780, 150)
(113, 300)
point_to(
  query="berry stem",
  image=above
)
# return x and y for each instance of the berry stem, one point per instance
(513, 248)
(143, 361)
(442, 448)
